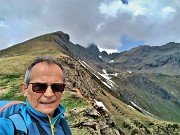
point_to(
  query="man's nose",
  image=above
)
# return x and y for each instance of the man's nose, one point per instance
(49, 92)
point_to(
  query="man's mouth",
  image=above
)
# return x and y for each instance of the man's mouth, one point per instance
(47, 103)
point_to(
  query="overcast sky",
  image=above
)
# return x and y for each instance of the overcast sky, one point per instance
(116, 25)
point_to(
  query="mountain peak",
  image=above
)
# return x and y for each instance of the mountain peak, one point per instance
(63, 36)
(93, 49)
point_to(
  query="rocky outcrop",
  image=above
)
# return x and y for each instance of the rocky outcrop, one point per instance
(96, 120)
(64, 37)
(144, 83)
(93, 49)
(138, 128)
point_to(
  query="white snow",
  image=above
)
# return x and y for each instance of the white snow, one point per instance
(129, 71)
(111, 61)
(131, 107)
(109, 83)
(140, 108)
(100, 104)
(106, 84)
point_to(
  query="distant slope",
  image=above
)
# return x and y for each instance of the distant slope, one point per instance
(156, 93)
(41, 45)
(156, 59)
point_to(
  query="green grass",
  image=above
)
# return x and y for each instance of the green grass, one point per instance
(143, 90)
(72, 102)
(11, 84)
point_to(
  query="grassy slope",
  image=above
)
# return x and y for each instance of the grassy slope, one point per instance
(163, 108)
(172, 85)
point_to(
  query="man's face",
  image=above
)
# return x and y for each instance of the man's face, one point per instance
(48, 101)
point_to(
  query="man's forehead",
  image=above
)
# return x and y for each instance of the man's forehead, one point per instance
(44, 63)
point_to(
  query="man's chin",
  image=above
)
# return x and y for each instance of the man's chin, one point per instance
(47, 111)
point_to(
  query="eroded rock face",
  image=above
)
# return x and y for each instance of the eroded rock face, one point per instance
(96, 120)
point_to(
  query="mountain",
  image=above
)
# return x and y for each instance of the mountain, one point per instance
(155, 59)
(142, 97)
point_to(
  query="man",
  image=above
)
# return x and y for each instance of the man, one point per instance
(43, 86)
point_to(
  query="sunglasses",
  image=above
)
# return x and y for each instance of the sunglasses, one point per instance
(42, 87)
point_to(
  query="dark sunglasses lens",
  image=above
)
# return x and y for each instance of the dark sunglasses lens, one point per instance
(58, 87)
(39, 87)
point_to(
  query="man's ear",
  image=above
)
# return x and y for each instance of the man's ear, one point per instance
(24, 89)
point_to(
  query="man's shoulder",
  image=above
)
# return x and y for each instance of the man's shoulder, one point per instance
(9, 107)
(6, 126)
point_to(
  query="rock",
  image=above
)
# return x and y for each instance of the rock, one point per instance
(95, 122)
(92, 112)
(76, 111)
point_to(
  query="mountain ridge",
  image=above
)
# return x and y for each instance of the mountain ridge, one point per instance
(96, 78)
(151, 57)
(140, 59)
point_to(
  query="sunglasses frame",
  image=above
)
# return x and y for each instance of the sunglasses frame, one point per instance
(46, 85)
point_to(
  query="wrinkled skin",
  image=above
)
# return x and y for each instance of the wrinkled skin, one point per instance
(48, 101)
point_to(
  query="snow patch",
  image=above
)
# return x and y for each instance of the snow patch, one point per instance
(140, 109)
(100, 105)
(109, 83)
(111, 61)
(131, 107)
(129, 71)
(106, 84)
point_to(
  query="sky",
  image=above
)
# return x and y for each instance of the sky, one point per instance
(113, 25)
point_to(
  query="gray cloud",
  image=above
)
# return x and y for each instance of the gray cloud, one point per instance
(84, 22)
